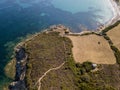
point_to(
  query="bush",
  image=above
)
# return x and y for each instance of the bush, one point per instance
(110, 27)
(83, 71)
(78, 65)
(84, 86)
(85, 78)
(88, 66)
(108, 39)
(117, 53)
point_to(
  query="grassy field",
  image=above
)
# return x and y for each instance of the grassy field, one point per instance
(114, 35)
(45, 51)
(10, 69)
(92, 48)
(49, 50)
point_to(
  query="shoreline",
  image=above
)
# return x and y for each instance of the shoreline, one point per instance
(116, 13)
(116, 16)
(55, 29)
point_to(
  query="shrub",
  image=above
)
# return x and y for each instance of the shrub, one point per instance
(88, 66)
(83, 71)
(84, 86)
(78, 65)
(85, 78)
(110, 27)
(117, 53)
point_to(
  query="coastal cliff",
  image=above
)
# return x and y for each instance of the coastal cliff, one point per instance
(21, 60)
(46, 61)
(21, 57)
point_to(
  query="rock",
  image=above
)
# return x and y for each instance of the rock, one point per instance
(21, 59)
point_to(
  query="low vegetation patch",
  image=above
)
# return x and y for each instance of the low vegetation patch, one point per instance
(110, 27)
(10, 69)
(75, 76)
(45, 51)
(50, 50)
(113, 37)
(117, 53)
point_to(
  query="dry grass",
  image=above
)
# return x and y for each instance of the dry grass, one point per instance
(92, 48)
(10, 69)
(114, 35)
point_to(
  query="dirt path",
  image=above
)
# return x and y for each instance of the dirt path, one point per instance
(39, 80)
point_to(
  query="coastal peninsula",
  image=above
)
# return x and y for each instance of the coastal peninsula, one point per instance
(58, 59)
(48, 61)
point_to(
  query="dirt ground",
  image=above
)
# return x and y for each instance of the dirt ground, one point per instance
(114, 35)
(92, 48)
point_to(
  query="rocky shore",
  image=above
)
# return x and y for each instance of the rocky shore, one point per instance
(21, 60)
(21, 55)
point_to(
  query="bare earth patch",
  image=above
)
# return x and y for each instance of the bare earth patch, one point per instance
(92, 48)
(114, 35)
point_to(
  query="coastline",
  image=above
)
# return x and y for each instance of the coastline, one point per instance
(116, 17)
(55, 29)
(116, 13)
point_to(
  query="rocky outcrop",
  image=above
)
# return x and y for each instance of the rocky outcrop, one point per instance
(21, 60)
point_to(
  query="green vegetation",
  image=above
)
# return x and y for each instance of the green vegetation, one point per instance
(117, 53)
(10, 69)
(49, 50)
(114, 48)
(75, 76)
(45, 51)
(108, 39)
(110, 27)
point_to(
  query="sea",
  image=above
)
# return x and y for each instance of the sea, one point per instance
(19, 18)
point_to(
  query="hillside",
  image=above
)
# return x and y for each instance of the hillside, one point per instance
(51, 62)
(47, 51)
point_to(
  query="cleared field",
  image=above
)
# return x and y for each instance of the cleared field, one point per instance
(114, 35)
(92, 48)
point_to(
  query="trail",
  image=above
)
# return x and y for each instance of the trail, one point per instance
(39, 80)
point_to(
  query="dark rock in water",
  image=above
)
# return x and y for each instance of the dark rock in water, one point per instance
(19, 85)
(20, 54)
(21, 59)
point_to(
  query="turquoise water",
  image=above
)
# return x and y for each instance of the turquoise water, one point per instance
(101, 8)
(21, 17)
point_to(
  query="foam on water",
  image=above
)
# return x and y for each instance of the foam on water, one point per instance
(21, 17)
(101, 8)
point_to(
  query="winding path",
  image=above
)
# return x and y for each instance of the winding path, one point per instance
(39, 80)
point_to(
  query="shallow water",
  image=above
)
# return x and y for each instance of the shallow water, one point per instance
(98, 7)
(21, 17)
